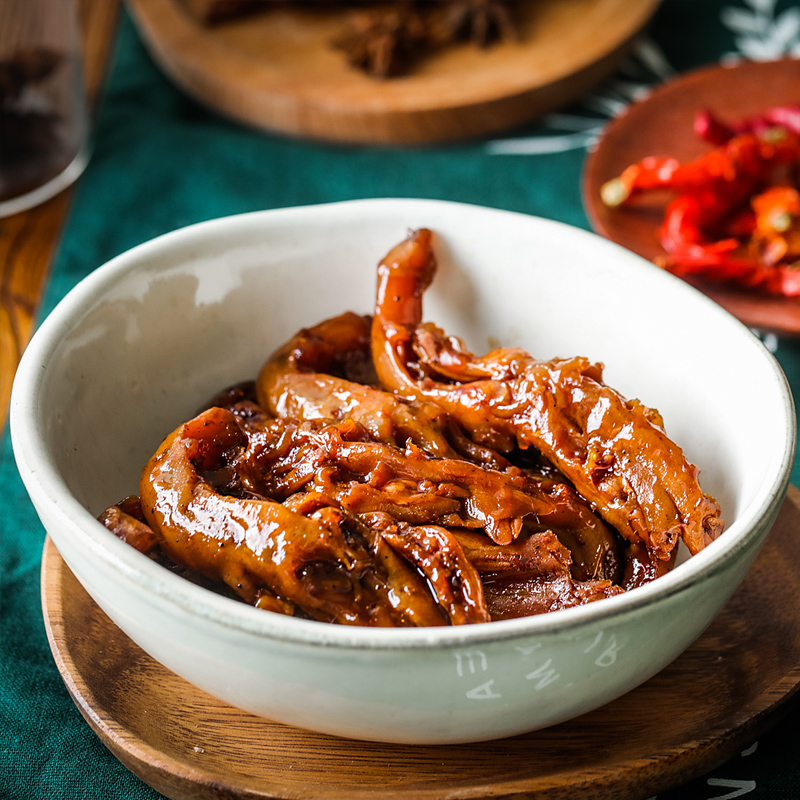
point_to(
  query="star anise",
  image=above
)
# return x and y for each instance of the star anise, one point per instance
(480, 21)
(385, 39)
(383, 42)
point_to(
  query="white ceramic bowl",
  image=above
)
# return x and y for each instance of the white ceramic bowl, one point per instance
(135, 348)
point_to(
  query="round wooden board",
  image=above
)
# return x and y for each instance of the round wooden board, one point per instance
(277, 70)
(718, 697)
(662, 124)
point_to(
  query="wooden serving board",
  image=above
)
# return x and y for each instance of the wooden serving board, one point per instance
(277, 70)
(714, 700)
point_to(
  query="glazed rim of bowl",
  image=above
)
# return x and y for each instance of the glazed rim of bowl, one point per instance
(47, 487)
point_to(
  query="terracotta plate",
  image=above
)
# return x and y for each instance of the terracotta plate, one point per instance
(661, 124)
(278, 71)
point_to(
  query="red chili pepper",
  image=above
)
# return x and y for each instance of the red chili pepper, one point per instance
(776, 209)
(712, 229)
(688, 219)
(786, 281)
(775, 236)
(781, 279)
(788, 116)
(713, 130)
(744, 157)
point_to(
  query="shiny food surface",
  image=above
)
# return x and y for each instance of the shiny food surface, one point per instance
(378, 473)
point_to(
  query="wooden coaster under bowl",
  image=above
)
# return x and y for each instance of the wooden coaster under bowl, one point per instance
(729, 687)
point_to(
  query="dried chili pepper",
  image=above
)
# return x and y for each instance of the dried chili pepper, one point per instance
(771, 260)
(713, 130)
(734, 217)
(776, 237)
(744, 158)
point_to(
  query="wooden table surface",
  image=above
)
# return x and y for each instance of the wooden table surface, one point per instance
(28, 240)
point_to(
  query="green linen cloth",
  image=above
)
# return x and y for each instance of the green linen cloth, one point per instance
(160, 162)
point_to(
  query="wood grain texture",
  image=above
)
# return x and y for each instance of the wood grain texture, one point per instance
(28, 239)
(714, 700)
(662, 125)
(278, 71)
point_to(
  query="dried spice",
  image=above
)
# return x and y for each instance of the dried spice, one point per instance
(479, 21)
(387, 39)
(383, 42)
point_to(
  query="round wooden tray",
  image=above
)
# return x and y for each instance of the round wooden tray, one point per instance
(662, 124)
(718, 697)
(277, 70)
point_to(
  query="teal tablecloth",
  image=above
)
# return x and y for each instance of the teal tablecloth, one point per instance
(161, 162)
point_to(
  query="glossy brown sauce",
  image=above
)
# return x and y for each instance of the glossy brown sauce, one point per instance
(377, 473)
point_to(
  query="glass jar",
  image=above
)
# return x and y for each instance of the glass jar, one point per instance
(43, 110)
